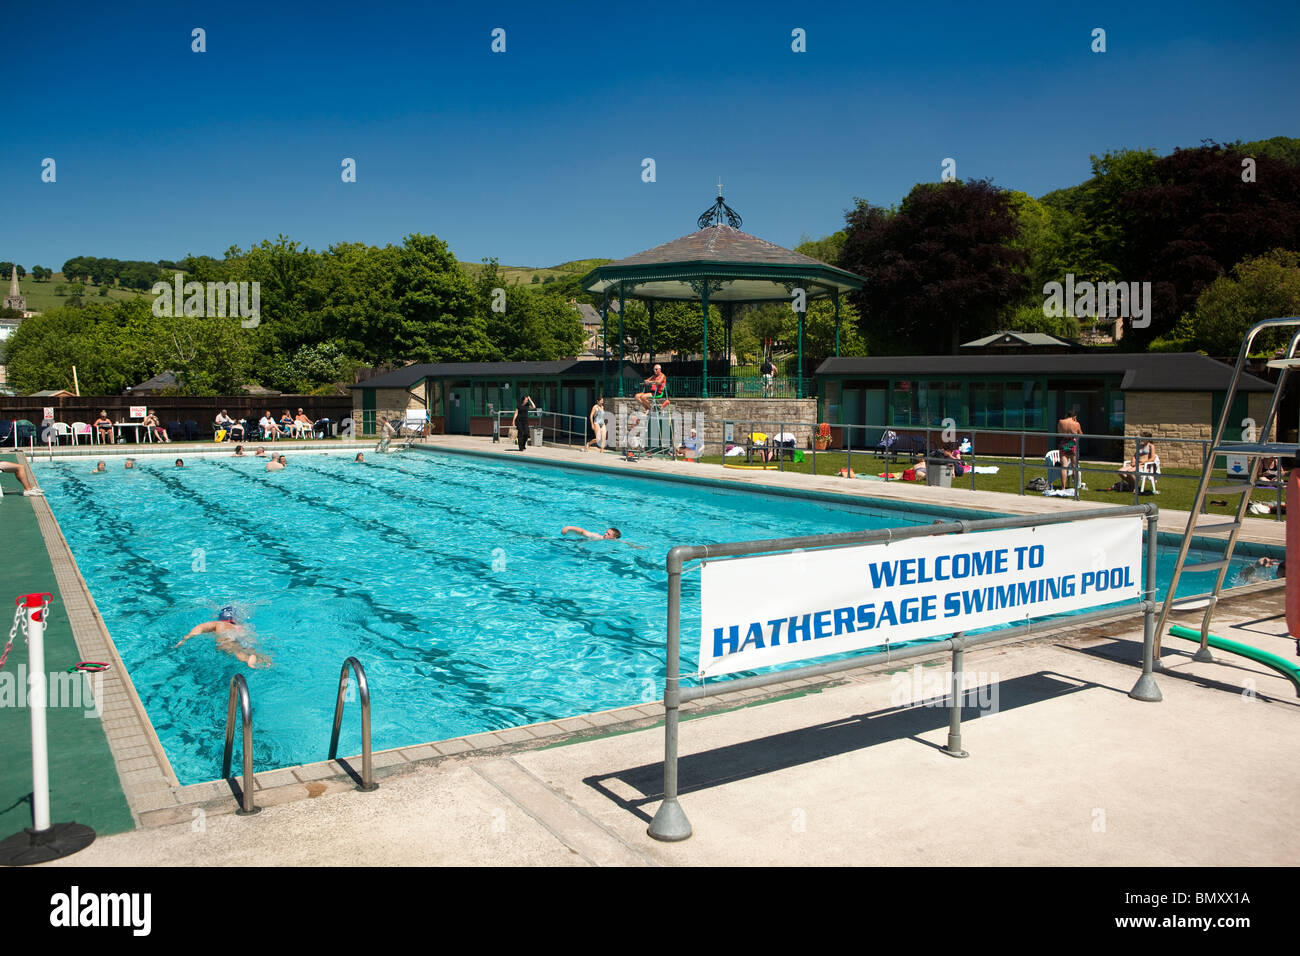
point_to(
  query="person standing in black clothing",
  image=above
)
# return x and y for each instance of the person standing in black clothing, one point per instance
(520, 420)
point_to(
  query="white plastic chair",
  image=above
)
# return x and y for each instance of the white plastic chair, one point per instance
(62, 430)
(1053, 459)
(1148, 472)
(79, 429)
(415, 423)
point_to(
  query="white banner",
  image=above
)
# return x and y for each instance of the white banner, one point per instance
(776, 608)
(139, 411)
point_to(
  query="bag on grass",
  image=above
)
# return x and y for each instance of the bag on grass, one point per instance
(1036, 484)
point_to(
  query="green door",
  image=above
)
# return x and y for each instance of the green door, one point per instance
(368, 426)
(458, 408)
(1236, 421)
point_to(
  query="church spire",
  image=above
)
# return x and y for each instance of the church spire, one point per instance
(15, 298)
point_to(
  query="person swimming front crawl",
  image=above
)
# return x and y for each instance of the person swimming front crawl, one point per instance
(611, 534)
(228, 631)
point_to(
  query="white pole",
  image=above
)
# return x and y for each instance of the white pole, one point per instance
(36, 694)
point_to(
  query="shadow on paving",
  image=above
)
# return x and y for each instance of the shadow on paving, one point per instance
(1127, 652)
(754, 758)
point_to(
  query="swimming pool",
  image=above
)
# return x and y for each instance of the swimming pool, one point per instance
(444, 574)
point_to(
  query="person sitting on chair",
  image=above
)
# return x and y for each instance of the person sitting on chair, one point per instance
(1128, 472)
(104, 427)
(691, 447)
(657, 386)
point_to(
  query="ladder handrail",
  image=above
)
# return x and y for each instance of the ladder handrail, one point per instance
(367, 783)
(1208, 471)
(239, 689)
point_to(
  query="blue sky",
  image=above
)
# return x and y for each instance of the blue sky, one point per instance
(534, 155)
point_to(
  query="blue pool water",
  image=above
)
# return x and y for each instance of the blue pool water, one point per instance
(444, 574)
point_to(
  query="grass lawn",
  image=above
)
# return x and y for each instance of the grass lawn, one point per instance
(1177, 486)
(41, 297)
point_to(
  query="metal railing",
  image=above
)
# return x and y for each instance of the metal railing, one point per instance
(239, 690)
(670, 823)
(720, 386)
(919, 442)
(367, 782)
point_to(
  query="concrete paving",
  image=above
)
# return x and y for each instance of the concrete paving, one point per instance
(1064, 769)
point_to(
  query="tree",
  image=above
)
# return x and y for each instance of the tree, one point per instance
(41, 274)
(940, 269)
(439, 322)
(107, 342)
(827, 249)
(7, 270)
(1262, 287)
(1198, 220)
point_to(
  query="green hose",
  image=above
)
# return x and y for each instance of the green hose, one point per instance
(1279, 664)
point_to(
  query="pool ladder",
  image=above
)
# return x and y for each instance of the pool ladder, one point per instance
(239, 695)
(1255, 446)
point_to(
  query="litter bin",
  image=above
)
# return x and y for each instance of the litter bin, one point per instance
(938, 472)
(537, 437)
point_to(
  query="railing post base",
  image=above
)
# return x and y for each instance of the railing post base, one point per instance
(40, 846)
(670, 824)
(1146, 690)
(1203, 656)
(367, 788)
(241, 812)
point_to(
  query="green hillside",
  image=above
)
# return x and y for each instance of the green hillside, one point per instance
(523, 275)
(42, 296)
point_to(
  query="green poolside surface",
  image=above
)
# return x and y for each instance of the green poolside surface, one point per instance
(84, 785)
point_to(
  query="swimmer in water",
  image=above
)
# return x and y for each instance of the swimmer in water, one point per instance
(130, 463)
(180, 463)
(228, 631)
(611, 534)
(99, 469)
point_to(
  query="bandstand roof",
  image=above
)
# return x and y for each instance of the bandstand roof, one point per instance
(738, 267)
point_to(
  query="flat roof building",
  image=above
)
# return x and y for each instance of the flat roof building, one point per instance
(458, 395)
(1172, 395)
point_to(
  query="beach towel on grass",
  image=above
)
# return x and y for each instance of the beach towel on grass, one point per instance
(1059, 493)
(986, 469)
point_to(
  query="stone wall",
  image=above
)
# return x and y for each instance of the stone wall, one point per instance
(392, 403)
(769, 415)
(1184, 415)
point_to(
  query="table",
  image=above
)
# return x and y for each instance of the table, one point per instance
(134, 425)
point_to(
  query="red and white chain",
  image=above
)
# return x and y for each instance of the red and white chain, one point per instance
(20, 619)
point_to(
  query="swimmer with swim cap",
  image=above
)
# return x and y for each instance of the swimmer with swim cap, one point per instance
(228, 630)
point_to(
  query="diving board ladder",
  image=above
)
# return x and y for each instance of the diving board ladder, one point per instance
(1256, 451)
